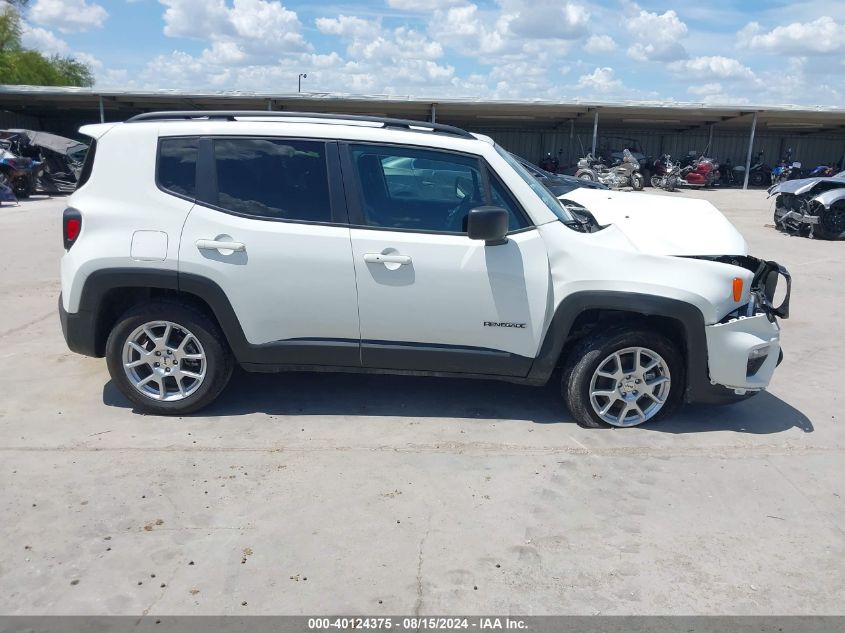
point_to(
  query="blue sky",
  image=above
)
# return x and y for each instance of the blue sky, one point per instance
(718, 52)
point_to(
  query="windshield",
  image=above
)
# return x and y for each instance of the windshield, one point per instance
(537, 187)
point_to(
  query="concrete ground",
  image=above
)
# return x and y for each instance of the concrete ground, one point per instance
(310, 493)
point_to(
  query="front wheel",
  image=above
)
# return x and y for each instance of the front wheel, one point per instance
(623, 378)
(831, 224)
(168, 358)
(637, 182)
(671, 183)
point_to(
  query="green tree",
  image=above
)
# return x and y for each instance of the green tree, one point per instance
(19, 65)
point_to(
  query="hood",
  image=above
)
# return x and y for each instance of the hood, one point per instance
(803, 185)
(663, 225)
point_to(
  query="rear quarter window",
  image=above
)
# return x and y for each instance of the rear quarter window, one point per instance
(177, 166)
(87, 164)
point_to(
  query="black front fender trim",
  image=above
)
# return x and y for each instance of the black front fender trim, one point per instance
(688, 316)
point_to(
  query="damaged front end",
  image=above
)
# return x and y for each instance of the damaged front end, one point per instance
(743, 348)
(814, 207)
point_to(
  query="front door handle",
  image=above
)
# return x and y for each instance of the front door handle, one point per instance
(380, 258)
(211, 245)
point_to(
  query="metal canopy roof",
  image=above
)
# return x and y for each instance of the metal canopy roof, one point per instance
(56, 102)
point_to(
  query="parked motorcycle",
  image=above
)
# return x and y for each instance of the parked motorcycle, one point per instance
(550, 163)
(625, 174)
(727, 173)
(665, 173)
(822, 171)
(19, 172)
(786, 169)
(703, 172)
(759, 173)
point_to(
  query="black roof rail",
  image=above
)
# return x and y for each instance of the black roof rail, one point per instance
(231, 115)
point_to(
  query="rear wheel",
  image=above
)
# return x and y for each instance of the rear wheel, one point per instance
(623, 378)
(168, 358)
(655, 182)
(585, 174)
(831, 224)
(757, 179)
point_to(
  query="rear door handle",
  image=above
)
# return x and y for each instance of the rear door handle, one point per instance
(211, 245)
(379, 258)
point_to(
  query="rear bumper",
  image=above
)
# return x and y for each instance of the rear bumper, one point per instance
(79, 330)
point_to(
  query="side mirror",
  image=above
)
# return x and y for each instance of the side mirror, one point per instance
(489, 224)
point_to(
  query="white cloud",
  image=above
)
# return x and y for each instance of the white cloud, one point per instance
(194, 18)
(518, 30)
(544, 19)
(422, 5)
(367, 40)
(601, 80)
(68, 15)
(598, 44)
(43, 40)
(247, 32)
(705, 89)
(657, 35)
(823, 36)
(712, 67)
(348, 26)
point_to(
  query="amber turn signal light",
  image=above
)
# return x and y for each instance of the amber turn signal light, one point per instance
(737, 289)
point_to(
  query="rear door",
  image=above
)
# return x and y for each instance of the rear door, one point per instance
(430, 298)
(269, 230)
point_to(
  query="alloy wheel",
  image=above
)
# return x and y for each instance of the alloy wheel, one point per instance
(630, 386)
(164, 361)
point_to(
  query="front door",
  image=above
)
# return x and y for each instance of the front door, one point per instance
(429, 297)
(269, 230)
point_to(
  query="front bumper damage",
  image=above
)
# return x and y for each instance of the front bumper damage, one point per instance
(744, 349)
(743, 352)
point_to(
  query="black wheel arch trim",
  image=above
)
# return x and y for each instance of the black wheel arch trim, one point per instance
(82, 329)
(689, 317)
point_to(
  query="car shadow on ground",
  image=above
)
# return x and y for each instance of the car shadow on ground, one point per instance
(426, 397)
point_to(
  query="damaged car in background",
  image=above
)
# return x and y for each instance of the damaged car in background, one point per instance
(814, 207)
(52, 163)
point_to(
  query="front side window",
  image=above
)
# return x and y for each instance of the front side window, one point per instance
(177, 165)
(281, 179)
(423, 190)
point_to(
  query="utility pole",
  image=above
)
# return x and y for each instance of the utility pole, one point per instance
(299, 81)
(750, 149)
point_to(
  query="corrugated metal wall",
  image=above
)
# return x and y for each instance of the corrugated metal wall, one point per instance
(810, 150)
(14, 120)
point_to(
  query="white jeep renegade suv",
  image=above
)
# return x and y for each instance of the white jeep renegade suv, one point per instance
(285, 241)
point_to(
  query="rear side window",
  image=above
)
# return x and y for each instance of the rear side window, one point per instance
(280, 179)
(177, 165)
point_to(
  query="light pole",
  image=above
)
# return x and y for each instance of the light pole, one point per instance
(299, 81)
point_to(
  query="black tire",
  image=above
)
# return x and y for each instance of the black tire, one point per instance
(757, 179)
(218, 357)
(585, 174)
(584, 359)
(831, 224)
(655, 181)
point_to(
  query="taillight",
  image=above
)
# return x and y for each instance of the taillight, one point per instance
(71, 226)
